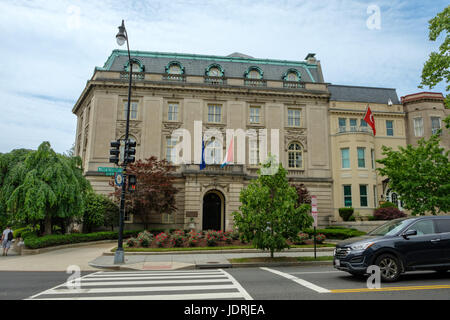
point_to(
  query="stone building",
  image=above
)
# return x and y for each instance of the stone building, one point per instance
(281, 107)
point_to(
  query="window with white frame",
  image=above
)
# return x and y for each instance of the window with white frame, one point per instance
(435, 124)
(254, 114)
(213, 151)
(345, 157)
(133, 111)
(172, 114)
(342, 124)
(215, 113)
(168, 218)
(170, 149)
(295, 156)
(361, 157)
(294, 117)
(418, 127)
(253, 151)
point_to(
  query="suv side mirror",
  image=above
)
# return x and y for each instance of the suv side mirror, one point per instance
(409, 233)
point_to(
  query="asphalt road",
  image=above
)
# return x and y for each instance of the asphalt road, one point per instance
(278, 283)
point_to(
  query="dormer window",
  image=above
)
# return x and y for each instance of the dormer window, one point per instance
(254, 73)
(214, 70)
(175, 68)
(137, 66)
(174, 71)
(291, 75)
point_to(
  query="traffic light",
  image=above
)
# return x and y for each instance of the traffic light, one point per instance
(132, 183)
(130, 151)
(114, 152)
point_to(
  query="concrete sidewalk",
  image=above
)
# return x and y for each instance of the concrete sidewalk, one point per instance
(176, 261)
(58, 260)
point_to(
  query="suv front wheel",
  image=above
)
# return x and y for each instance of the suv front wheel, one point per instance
(389, 267)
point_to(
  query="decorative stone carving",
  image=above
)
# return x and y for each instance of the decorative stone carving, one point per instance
(299, 136)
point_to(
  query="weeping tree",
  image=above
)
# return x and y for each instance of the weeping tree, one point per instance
(46, 187)
(11, 165)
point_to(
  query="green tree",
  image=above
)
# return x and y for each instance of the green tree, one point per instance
(47, 186)
(99, 211)
(437, 67)
(420, 175)
(270, 215)
(11, 169)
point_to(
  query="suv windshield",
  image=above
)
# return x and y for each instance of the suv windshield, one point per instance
(391, 228)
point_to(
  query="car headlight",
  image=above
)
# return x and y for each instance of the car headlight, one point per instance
(361, 246)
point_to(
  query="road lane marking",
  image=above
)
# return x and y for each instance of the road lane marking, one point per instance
(238, 285)
(408, 288)
(64, 284)
(199, 296)
(141, 289)
(147, 277)
(301, 282)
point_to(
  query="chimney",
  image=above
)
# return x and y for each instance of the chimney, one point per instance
(310, 58)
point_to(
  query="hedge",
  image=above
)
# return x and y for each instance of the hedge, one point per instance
(337, 233)
(34, 242)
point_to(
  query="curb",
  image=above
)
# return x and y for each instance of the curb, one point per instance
(281, 264)
(329, 249)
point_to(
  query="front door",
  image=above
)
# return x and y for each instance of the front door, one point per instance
(212, 211)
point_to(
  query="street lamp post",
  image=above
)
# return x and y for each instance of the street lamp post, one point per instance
(119, 257)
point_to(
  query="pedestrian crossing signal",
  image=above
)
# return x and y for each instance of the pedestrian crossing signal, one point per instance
(132, 183)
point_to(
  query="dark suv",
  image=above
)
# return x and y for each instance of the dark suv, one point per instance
(400, 245)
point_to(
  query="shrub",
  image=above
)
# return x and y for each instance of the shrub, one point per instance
(346, 213)
(132, 242)
(235, 234)
(145, 238)
(301, 238)
(387, 204)
(320, 238)
(227, 237)
(388, 213)
(161, 239)
(212, 237)
(351, 218)
(339, 234)
(193, 238)
(34, 242)
(178, 238)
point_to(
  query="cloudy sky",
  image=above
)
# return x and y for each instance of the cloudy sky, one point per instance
(50, 48)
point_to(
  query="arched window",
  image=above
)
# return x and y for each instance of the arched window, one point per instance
(137, 66)
(254, 73)
(292, 75)
(214, 70)
(213, 151)
(175, 67)
(295, 156)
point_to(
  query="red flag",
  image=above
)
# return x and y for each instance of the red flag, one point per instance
(370, 120)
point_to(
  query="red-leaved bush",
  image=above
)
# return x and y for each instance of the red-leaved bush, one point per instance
(388, 213)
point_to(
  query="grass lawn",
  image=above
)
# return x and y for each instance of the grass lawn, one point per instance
(279, 259)
(324, 245)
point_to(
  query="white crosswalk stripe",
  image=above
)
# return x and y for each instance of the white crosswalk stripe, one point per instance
(149, 285)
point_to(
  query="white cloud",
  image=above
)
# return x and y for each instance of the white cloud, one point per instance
(50, 48)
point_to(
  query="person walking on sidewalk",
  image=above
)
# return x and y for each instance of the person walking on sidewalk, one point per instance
(7, 237)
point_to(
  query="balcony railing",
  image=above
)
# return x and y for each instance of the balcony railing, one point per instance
(255, 82)
(174, 77)
(293, 84)
(353, 129)
(136, 76)
(215, 80)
